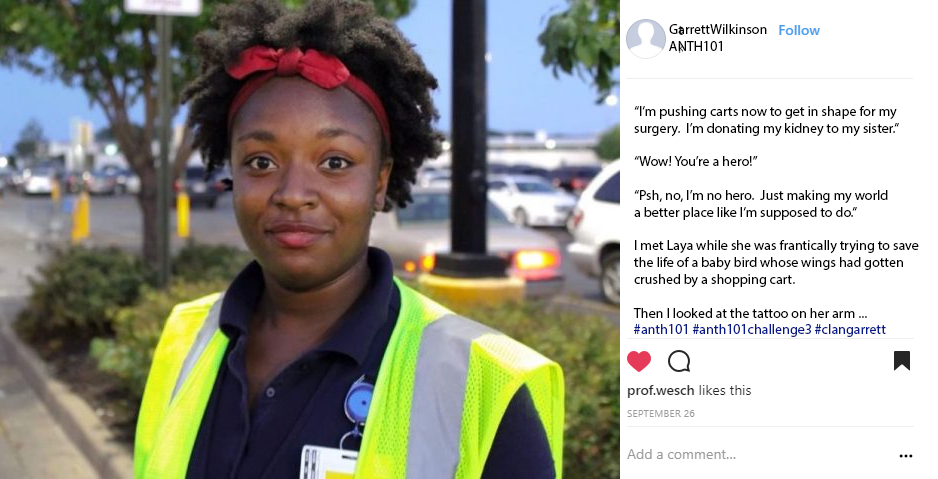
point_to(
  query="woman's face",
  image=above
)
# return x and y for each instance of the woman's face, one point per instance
(308, 175)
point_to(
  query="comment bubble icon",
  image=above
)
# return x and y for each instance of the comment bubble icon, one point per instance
(679, 361)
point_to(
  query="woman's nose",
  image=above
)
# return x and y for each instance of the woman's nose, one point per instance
(298, 186)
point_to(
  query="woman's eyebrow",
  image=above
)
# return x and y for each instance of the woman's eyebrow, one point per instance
(259, 135)
(336, 132)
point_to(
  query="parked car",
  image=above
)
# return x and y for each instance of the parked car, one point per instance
(529, 170)
(100, 182)
(438, 177)
(573, 179)
(530, 200)
(595, 228)
(439, 182)
(126, 180)
(6, 178)
(498, 168)
(16, 180)
(503, 169)
(107, 180)
(38, 180)
(413, 236)
(72, 182)
(201, 190)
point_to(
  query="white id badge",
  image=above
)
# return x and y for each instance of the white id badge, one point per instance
(318, 462)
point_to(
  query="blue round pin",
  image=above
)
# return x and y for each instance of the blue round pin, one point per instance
(358, 400)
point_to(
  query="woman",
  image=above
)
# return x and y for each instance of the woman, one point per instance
(316, 359)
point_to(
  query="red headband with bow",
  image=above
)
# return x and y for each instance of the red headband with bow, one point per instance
(322, 70)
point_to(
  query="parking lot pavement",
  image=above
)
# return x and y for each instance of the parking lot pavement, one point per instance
(22, 232)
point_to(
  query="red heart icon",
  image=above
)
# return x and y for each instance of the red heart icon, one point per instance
(638, 360)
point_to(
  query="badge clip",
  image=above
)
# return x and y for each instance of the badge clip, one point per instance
(357, 402)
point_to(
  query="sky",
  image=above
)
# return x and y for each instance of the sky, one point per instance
(523, 95)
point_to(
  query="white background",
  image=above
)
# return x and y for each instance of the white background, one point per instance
(820, 406)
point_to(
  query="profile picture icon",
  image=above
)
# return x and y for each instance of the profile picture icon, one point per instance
(645, 38)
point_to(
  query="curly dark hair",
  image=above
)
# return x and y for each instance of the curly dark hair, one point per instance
(371, 47)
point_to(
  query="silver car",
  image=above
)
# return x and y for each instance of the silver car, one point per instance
(413, 236)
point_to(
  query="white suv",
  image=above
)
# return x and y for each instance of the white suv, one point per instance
(595, 228)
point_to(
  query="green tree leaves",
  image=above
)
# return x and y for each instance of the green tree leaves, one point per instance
(585, 39)
(31, 142)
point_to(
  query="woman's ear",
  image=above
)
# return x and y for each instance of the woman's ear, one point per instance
(384, 174)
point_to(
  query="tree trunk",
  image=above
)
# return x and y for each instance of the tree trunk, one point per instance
(146, 199)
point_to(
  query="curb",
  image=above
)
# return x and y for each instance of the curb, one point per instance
(79, 422)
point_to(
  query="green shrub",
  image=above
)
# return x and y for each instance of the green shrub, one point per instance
(137, 329)
(77, 292)
(587, 348)
(201, 262)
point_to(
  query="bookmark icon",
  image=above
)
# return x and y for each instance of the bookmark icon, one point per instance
(902, 358)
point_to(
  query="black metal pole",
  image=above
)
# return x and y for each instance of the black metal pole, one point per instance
(469, 133)
(165, 31)
(469, 127)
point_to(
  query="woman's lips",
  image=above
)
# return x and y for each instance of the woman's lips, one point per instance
(296, 235)
(296, 239)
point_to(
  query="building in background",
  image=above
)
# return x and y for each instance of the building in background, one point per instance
(537, 150)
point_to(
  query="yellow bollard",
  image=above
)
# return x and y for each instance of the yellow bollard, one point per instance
(462, 293)
(182, 214)
(56, 192)
(81, 218)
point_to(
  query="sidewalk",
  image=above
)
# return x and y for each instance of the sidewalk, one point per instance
(32, 444)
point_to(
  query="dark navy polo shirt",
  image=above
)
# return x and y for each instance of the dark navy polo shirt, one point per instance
(304, 403)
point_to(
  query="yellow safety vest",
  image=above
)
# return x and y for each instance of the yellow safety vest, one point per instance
(459, 374)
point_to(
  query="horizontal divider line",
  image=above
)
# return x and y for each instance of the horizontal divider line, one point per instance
(773, 426)
(766, 78)
(752, 337)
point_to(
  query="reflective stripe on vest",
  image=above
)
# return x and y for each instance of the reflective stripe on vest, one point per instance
(171, 410)
(455, 377)
(439, 391)
(202, 339)
(449, 438)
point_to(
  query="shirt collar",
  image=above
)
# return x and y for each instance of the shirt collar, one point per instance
(359, 324)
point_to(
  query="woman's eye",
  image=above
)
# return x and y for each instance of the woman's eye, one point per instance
(336, 163)
(260, 163)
